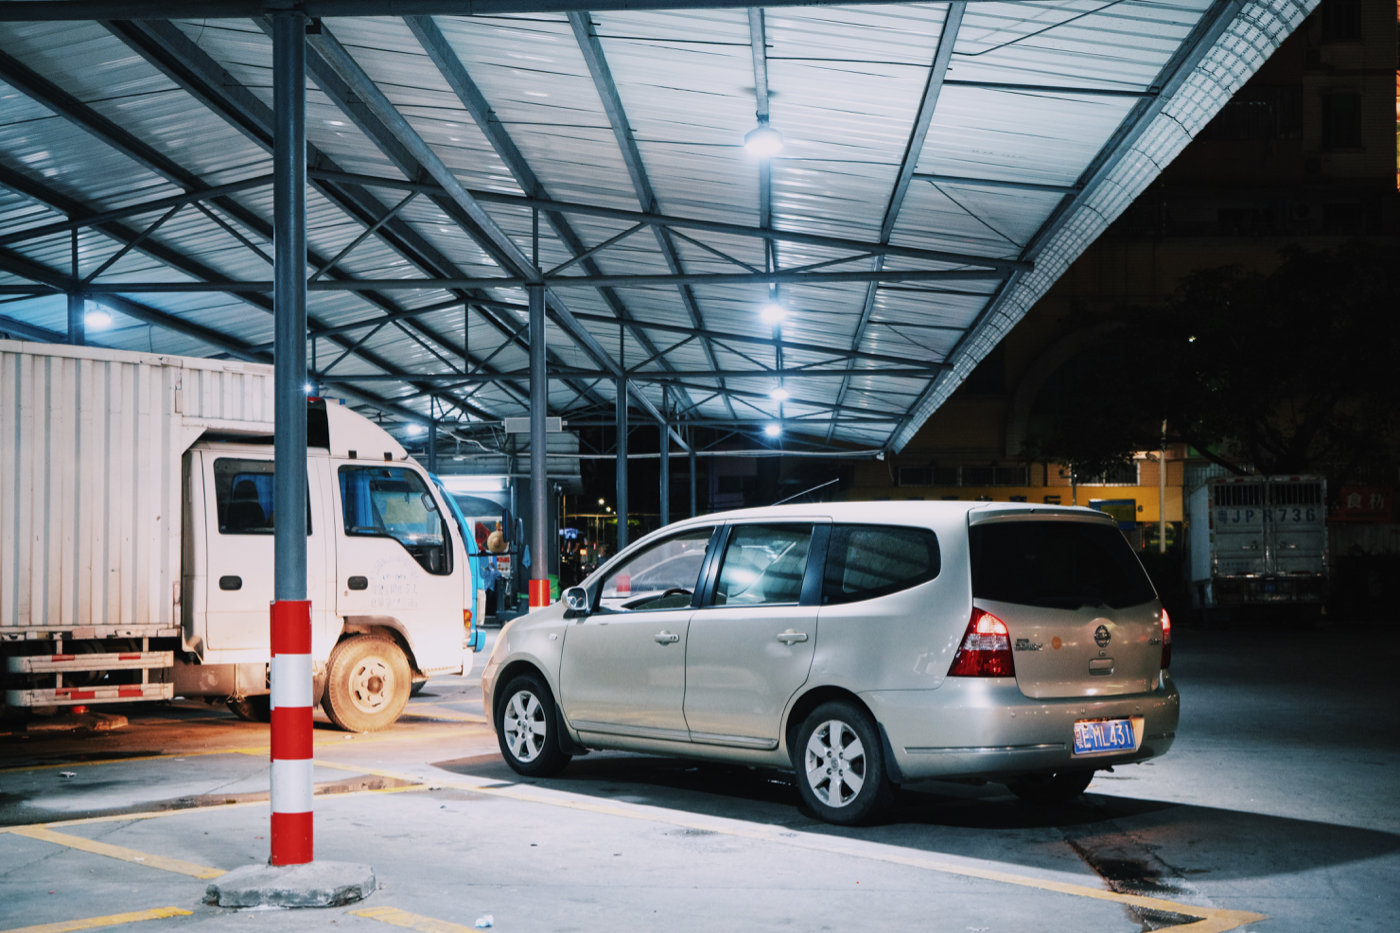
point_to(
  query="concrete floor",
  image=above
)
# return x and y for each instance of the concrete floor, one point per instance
(1273, 812)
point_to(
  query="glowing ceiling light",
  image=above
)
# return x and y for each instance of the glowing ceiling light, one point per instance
(780, 394)
(763, 141)
(773, 430)
(772, 313)
(97, 318)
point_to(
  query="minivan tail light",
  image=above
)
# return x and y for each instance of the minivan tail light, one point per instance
(1166, 640)
(985, 650)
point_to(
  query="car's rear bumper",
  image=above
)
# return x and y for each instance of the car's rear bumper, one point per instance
(987, 728)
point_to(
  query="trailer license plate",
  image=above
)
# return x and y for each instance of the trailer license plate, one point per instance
(1103, 735)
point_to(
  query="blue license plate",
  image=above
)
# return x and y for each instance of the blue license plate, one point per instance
(1103, 735)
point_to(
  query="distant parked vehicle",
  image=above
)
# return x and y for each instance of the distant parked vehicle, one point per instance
(1258, 541)
(862, 645)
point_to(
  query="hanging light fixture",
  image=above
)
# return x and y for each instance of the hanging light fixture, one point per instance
(97, 317)
(763, 141)
(773, 429)
(773, 312)
(780, 394)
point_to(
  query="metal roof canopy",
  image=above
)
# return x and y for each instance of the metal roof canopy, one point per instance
(943, 164)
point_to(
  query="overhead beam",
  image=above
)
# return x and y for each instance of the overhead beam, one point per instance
(72, 10)
(449, 64)
(592, 48)
(996, 183)
(1173, 74)
(134, 210)
(480, 224)
(168, 49)
(691, 223)
(658, 378)
(913, 149)
(108, 133)
(211, 284)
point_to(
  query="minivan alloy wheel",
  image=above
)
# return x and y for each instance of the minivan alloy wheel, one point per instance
(839, 763)
(526, 727)
(835, 763)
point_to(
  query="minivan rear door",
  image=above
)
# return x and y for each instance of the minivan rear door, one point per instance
(750, 646)
(1083, 616)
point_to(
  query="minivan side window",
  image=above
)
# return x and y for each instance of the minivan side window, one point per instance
(1056, 565)
(866, 561)
(763, 565)
(243, 497)
(394, 502)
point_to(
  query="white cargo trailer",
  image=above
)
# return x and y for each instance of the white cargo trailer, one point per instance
(136, 546)
(1258, 541)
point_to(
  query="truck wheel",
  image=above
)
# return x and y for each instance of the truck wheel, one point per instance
(527, 729)
(252, 709)
(368, 681)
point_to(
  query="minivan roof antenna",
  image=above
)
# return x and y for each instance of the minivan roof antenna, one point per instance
(830, 482)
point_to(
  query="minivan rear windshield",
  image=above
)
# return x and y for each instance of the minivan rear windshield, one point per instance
(1056, 565)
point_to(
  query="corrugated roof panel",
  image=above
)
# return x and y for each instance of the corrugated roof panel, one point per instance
(845, 85)
(533, 75)
(994, 222)
(689, 127)
(1015, 135)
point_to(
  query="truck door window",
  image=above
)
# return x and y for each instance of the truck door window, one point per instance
(243, 496)
(394, 502)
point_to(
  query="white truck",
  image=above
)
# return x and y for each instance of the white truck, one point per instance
(136, 545)
(1258, 541)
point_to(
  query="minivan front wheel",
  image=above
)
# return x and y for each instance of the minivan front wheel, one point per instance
(526, 728)
(840, 767)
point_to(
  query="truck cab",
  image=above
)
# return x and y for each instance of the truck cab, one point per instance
(387, 572)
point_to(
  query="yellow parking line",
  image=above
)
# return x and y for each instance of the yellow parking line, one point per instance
(1206, 919)
(111, 920)
(402, 918)
(160, 862)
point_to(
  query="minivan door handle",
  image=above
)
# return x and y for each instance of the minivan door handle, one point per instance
(789, 637)
(666, 638)
(358, 583)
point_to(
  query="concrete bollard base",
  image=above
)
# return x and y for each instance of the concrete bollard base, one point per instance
(314, 884)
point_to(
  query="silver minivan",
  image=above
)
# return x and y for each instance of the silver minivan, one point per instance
(861, 644)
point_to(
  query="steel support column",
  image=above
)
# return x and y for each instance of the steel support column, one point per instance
(539, 454)
(621, 463)
(665, 463)
(77, 329)
(291, 778)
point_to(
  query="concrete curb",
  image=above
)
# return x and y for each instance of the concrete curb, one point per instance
(315, 884)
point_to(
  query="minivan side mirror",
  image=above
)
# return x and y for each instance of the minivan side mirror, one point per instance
(576, 599)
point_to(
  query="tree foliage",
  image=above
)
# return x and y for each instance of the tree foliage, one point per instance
(1289, 372)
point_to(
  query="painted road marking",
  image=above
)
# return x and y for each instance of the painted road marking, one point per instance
(402, 918)
(1206, 919)
(43, 833)
(111, 920)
